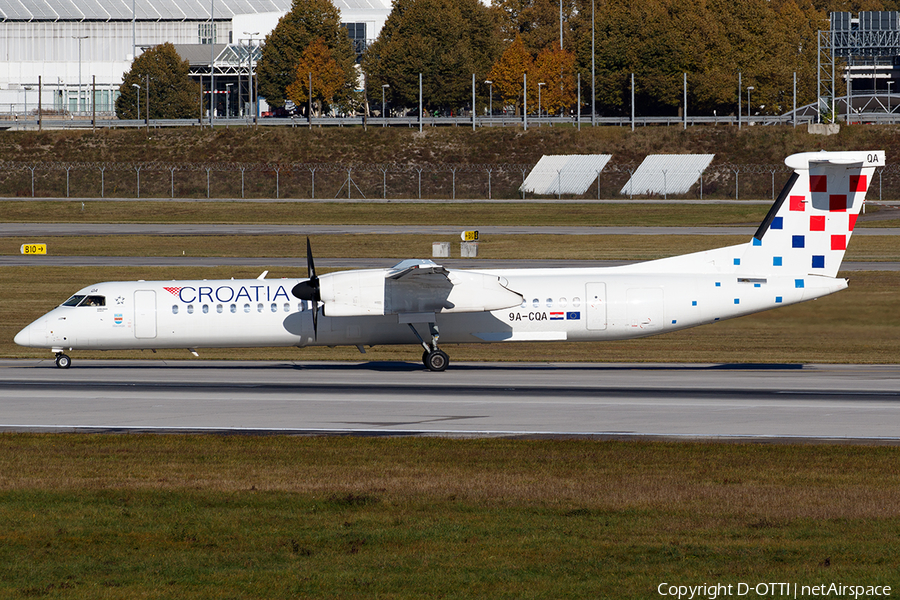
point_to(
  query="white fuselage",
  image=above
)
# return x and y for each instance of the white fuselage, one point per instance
(559, 304)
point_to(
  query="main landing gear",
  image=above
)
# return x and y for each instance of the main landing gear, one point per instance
(434, 358)
(63, 361)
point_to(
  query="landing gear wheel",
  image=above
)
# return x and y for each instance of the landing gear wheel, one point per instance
(63, 361)
(436, 360)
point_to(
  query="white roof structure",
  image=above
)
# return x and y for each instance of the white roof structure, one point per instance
(157, 10)
(564, 174)
(667, 174)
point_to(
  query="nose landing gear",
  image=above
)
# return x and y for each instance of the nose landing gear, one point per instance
(434, 358)
(63, 361)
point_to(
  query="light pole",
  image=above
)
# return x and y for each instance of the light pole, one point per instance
(27, 89)
(228, 99)
(212, 59)
(490, 97)
(540, 85)
(749, 89)
(250, 69)
(138, 86)
(79, 38)
(889, 83)
(383, 87)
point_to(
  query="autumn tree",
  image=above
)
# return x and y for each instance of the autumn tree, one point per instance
(556, 69)
(507, 73)
(307, 21)
(317, 69)
(172, 93)
(445, 40)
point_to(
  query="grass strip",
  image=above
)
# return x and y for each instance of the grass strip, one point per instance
(294, 517)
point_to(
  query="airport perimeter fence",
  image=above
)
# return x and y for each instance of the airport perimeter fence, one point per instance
(371, 181)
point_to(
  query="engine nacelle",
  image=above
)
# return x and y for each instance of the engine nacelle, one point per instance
(371, 292)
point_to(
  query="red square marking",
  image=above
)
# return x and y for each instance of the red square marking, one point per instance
(858, 183)
(817, 223)
(818, 183)
(838, 242)
(797, 203)
(837, 202)
(852, 221)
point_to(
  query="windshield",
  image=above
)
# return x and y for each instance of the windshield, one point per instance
(82, 300)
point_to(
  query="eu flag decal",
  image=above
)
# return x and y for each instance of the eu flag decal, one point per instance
(573, 316)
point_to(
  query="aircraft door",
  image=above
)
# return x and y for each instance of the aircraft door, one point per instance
(144, 314)
(595, 305)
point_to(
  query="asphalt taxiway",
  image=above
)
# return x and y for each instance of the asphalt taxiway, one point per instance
(768, 402)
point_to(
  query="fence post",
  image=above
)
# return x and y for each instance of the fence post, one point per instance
(453, 170)
(773, 183)
(138, 169)
(172, 181)
(736, 171)
(68, 168)
(312, 170)
(277, 182)
(244, 168)
(489, 170)
(383, 182)
(32, 178)
(420, 182)
(207, 172)
(102, 181)
(665, 186)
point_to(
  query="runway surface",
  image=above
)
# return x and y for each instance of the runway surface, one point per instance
(793, 402)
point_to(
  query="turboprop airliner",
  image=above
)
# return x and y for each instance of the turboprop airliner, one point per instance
(794, 256)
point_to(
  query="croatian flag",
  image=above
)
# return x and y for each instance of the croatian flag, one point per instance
(556, 316)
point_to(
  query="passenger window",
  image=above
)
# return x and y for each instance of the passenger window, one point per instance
(246, 308)
(234, 308)
(536, 302)
(219, 308)
(562, 302)
(274, 307)
(287, 307)
(190, 309)
(73, 301)
(576, 301)
(259, 307)
(174, 309)
(205, 309)
(549, 302)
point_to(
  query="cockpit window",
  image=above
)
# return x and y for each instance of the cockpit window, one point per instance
(73, 301)
(80, 300)
(94, 301)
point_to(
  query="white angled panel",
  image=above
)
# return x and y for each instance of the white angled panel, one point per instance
(664, 174)
(564, 174)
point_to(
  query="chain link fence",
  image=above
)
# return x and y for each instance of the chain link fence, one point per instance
(387, 181)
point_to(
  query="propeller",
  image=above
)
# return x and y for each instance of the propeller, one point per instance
(309, 289)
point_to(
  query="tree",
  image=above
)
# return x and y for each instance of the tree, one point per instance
(317, 63)
(445, 40)
(172, 93)
(536, 21)
(507, 73)
(307, 21)
(556, 69)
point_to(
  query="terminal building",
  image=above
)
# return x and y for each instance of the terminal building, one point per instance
(78, 51)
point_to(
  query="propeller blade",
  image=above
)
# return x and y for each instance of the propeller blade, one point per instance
(309, 289)
(310, 266)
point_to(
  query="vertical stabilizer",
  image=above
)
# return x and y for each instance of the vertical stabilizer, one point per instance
(807, 230)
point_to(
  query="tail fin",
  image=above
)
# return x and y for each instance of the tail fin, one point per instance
(808, 228)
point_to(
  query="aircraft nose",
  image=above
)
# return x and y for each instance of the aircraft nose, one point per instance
(23, 338)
